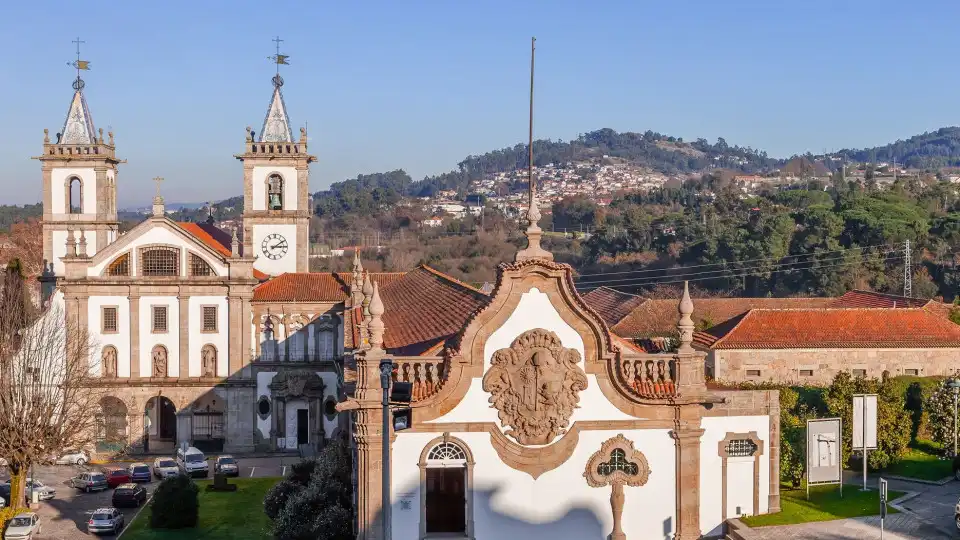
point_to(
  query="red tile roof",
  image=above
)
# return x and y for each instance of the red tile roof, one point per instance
(833, 328)
(871, 299)
(315, 286)
(660, 317)
(211, 235)
(610, 304)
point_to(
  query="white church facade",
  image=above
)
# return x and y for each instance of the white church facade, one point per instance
(531, 419)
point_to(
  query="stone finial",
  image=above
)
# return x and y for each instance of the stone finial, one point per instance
(110, 137)
(158, 209)
(100, 140)
(367, 294)
(376, 322)
(249, 134)
(82, 245)
(71, 244)
(686, 325)
(46, 136)
(234, 243)
(303, 135)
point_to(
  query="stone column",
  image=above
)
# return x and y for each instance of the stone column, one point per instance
(773, 498)
(183, 314)
(687, 443)
(83, 323)
(242, 363)
(134, 297)
(235, 337)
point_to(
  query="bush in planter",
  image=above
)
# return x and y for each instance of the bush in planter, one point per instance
(175, 504)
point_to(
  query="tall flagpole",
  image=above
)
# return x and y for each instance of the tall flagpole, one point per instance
(533, 232)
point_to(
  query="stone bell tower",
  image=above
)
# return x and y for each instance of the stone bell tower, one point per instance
(79, 171)
(276, 189)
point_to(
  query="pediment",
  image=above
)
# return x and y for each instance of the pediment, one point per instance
(156, 230)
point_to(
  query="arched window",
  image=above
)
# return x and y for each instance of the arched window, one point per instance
(75, 196)
(274, 192)
(199, 267)
(446, 481)
(159, 261)
(120, 266)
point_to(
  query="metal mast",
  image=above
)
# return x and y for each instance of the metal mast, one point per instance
(907, 273)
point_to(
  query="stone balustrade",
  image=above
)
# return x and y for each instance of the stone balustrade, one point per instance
(425, 375)
(650, 377)
(55, 150)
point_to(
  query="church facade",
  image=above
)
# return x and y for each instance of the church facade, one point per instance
(531, 418)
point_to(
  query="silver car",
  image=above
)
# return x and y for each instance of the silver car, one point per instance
(165, 467)
(90, 481)
(72, 457)
(105, 520)
(25, 526)
(44, 492)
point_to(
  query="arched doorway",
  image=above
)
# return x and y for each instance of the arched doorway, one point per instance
(160, 424)
(111, 425)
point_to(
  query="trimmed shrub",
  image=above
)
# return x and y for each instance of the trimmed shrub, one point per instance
(175, 504)
(278, 495)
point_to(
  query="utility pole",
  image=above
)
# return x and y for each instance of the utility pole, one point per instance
(907, 274)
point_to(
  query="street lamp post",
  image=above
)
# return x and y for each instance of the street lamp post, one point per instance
(954, 385)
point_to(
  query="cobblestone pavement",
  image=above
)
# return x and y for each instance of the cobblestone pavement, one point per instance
(65, 516)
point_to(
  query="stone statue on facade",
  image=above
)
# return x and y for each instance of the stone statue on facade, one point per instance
(159, 362)
(109, 360)
(535, 385)
(208, 361)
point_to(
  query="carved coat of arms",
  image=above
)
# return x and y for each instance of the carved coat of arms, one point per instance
(534, 385)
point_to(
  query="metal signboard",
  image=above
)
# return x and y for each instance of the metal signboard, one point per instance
(865, 421)
(824, 462)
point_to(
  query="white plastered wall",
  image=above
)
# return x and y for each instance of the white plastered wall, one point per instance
(59, 194)
(119, 340)
(290, 186)
(287, 263)
(170, 339)
(164, 236)
(199, 338)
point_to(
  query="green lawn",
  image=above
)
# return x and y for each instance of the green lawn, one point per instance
(825, 504)
(227, 516)
(922, 461)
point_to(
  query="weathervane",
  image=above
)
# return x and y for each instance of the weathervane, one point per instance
(279, 59)
(80, 65)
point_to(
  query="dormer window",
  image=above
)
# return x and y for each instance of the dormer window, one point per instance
(274, 192)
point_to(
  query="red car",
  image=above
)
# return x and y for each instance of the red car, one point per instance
(115, 477)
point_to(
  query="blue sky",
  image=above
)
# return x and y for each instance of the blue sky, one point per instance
(421, 84)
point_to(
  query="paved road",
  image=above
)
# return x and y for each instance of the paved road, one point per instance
(65, 517)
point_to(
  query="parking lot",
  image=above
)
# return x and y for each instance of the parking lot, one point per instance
(65, 516)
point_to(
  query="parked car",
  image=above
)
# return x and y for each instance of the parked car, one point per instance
(90, 481)
(72, 457)
(192, 462)
(129, 495)
(44, 492)
(139, 472)
(165, 468)
(105, 520)
(5, 495)
(25, 526)
(115, 477)
(226, 465)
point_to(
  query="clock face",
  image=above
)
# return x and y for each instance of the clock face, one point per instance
(274, 246)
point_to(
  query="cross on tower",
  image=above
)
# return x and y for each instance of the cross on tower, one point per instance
(278, 59)
(158, 180)
(79, 64)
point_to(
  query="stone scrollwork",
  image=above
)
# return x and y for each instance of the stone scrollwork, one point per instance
(617, 464)
(535, 385)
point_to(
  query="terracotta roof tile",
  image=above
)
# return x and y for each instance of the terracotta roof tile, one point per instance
(424, 308)
(211, 235)
(871, 299)
(660, 317)
(833, 328)
(610, 304)
(315, 286)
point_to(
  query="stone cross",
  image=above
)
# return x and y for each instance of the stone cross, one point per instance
(158, 180)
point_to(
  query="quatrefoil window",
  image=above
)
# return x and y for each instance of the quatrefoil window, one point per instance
(618, 462)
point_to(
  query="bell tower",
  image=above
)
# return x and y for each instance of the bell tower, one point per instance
(276, 189)
(79, 171)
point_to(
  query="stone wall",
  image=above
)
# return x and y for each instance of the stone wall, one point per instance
(819, 366)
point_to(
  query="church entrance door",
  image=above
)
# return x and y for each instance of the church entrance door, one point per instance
(303, 426)
(446, 499)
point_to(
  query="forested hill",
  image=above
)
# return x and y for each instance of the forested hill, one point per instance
(932, 150)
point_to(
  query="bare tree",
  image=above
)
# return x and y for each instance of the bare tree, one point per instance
(48, 397)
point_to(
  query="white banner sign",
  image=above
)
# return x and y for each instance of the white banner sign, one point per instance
(823, 450)
(865, 421)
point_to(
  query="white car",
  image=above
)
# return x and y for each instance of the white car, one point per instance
(164, 467)
(73, 457)
(44, 492)
(25, 526)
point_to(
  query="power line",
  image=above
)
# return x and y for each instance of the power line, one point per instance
(734, 275)
(721, 273)
(725, 263)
